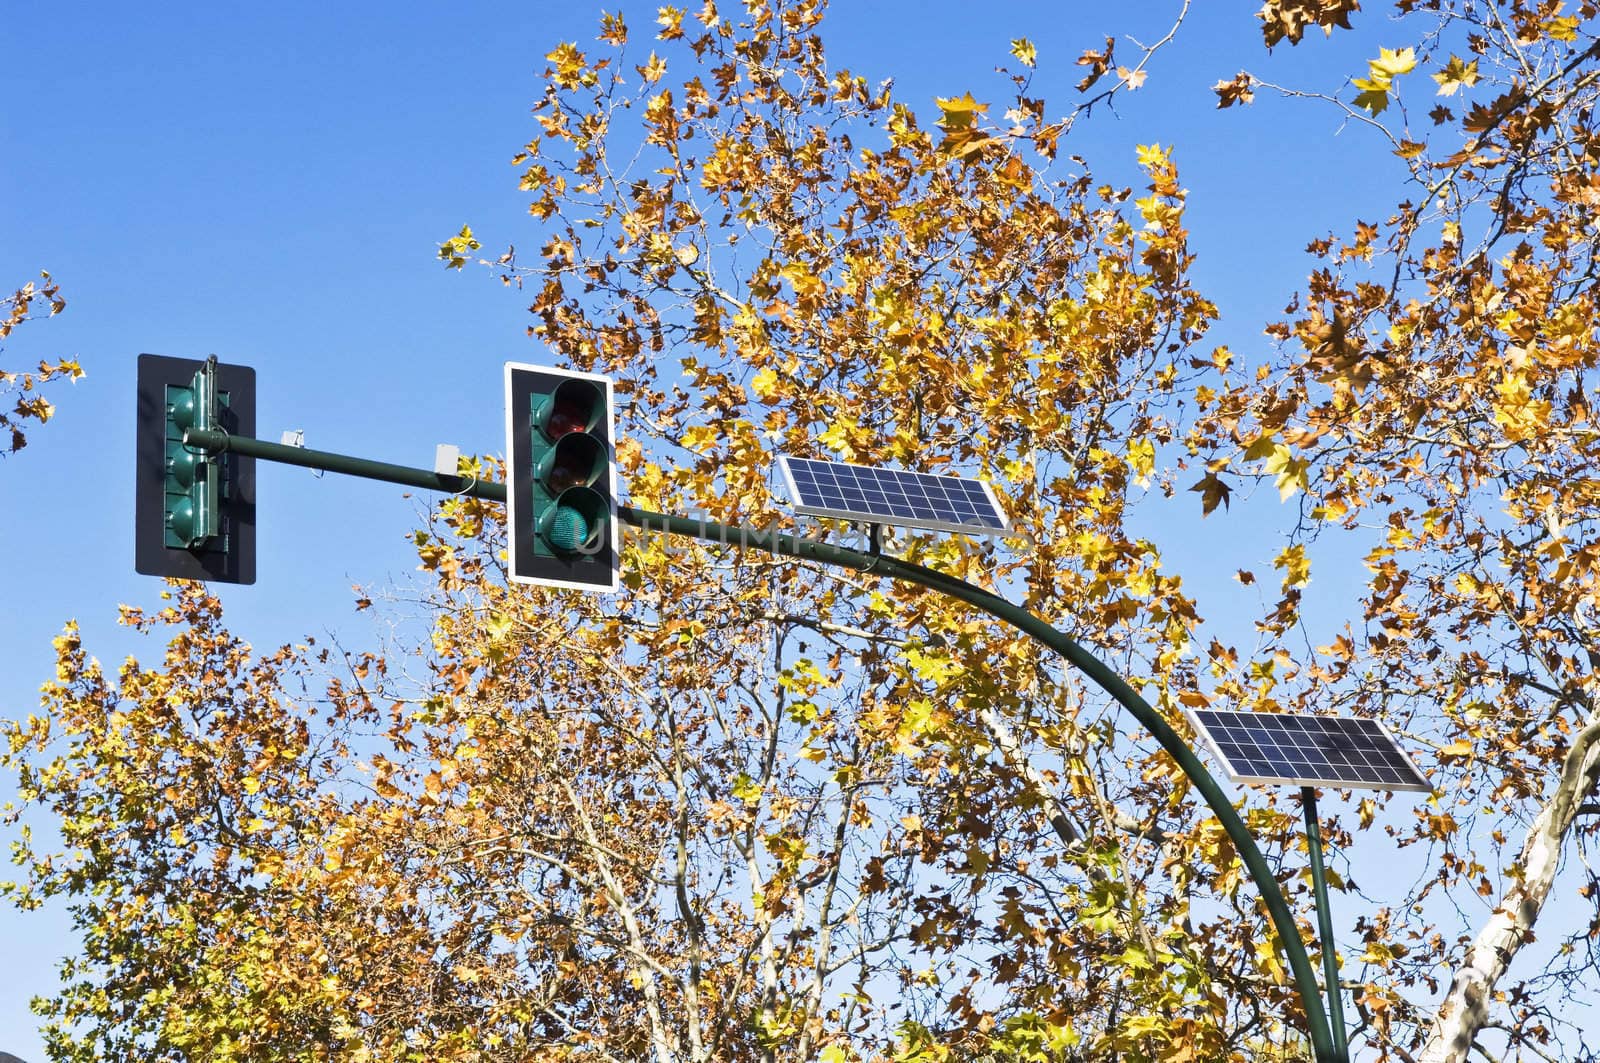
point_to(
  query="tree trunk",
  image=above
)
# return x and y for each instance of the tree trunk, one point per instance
(1465, 1008)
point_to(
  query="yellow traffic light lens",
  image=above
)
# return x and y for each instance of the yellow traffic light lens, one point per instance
(576, 460)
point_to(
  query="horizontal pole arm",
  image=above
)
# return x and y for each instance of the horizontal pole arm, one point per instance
(221, 442)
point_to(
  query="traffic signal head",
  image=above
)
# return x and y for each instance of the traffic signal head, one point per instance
(193, 481)
(194, 514)
(560, 480)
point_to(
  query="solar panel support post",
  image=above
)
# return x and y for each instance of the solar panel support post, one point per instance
(775, 542)
(1330, 958)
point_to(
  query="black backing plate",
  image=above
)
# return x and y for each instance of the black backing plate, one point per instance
(151, 555)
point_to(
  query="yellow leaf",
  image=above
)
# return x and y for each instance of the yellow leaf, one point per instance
(1150, 155)
(670, 19)
(1291, 473)
(570, 64)
(653, 69)
(1142, 460)
(837, 436)
(747, 789)
(1372, 98)
(1391, 63)
(1459, 748)
(1456, 75)
(1296, 566)
(1261, 447)
(765, 383)
(955, 107)
(1561, 29)
(1026, 54)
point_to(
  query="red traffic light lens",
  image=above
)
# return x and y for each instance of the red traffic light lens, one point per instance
(566, 416)
(575, 406)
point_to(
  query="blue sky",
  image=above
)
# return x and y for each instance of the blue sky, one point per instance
(269, 183)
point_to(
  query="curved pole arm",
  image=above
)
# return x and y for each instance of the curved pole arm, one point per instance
(791, 545)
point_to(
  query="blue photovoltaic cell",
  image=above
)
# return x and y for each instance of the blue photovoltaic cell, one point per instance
(1335, 751)
(891, 496)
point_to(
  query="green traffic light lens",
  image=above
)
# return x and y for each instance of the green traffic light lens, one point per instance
(568, 529)
(576, 523)
(180, 518)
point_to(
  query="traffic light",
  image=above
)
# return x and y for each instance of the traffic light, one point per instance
(194, 513)
(561, 487)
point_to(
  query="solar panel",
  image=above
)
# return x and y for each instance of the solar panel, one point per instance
(1333, 751)
(890, 496)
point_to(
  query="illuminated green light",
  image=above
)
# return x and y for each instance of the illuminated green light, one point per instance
(568, 529)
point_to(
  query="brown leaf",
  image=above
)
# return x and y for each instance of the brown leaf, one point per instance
(1235, 91)
(1097, 62)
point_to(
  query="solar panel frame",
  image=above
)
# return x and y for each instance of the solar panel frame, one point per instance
(901, 497)
(1337, 752)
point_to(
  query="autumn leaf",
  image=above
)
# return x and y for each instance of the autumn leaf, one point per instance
(1289, 473)
(1212, 492)
(670, 19)
(1238, 89)
(1097, 62)
(653, 70)
(1295, 565)
(570, 66)
(1281, 19)
(1391, 63)
(1381, 72)
(1456, 75)
(1142, 460)
(765, 384)
(958, 118)
(456, 250)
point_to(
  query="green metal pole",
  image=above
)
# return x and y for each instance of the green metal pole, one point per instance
(1330, 958)
(216, 442)
(792, 545)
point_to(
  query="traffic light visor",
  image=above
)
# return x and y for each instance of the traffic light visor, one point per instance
(574, 406)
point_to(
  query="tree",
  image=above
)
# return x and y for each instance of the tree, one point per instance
(29, 406)
(747, 810)
(754, 810)
(1434, 385)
